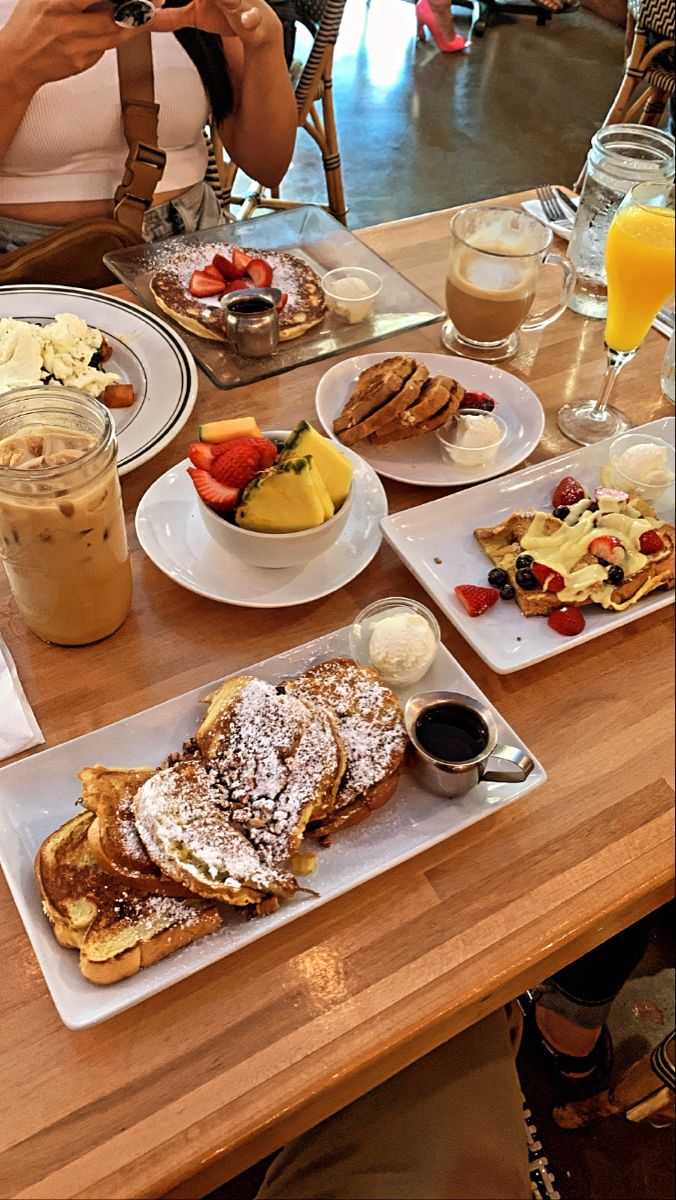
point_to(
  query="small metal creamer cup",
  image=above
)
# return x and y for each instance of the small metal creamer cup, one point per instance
(253, 333)
(455, 778)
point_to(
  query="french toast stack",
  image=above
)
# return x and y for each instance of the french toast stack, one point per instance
(395, 400)
(144, 869)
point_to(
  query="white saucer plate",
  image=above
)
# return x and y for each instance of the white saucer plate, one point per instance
(146, 353)
(419, 460)
(172, 533)
(437, 543)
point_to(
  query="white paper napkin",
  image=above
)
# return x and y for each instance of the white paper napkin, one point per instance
(18, 728)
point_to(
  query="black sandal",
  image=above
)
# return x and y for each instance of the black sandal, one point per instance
(575, 1074)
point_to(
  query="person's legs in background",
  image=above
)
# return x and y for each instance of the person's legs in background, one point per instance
(448, 1127)
(437, 17)
(570, 1008)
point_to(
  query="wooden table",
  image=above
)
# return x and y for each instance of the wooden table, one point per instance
(190, 1087)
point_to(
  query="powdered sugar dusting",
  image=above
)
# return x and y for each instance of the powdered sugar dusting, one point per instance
(182, 818)
(370, 721)
(275, 758)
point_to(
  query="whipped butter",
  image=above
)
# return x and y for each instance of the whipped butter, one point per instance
(402, 647)
(473, 440)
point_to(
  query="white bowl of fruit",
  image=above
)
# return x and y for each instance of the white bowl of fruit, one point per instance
(275, 499)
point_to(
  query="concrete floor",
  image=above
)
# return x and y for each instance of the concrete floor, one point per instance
(420, 130)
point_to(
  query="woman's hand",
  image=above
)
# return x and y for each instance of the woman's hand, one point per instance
(252, 21)
(46, 40)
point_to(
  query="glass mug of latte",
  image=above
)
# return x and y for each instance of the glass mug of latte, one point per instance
(62, 534)
(493, 271)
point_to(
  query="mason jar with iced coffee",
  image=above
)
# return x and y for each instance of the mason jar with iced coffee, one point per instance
(62, 534)
(493, 272)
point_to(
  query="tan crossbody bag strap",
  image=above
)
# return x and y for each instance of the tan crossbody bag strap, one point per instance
(145, 161)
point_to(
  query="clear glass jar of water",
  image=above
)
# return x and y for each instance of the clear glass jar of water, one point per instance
(620, 156)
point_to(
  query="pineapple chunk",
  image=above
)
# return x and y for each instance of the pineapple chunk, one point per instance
(335, 467)
(286, 499)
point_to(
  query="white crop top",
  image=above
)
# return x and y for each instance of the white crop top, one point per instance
(70, 144)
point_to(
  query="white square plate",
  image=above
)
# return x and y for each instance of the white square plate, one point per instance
(39, 794)
(436, 541)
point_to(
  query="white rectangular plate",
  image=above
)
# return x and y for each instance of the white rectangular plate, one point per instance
(436, 541)
(39, 794)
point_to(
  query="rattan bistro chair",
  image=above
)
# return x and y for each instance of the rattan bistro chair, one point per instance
(645, 17)
(313, 87)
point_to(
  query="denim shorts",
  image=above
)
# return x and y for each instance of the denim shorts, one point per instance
(197, 208)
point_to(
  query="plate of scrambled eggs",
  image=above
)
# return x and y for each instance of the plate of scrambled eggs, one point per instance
(62, 335)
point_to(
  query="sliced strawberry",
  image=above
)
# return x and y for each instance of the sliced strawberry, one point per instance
(259, 272)
(477, 600)
(283, 301)
(216, 495)
(225, 267)
(650, 542)
(201, 455)
(568, 492)
(202, 285)
(240, 260)
(213, 273)
(549, 580)
(234, 285)
(567, 621)
(608, 547)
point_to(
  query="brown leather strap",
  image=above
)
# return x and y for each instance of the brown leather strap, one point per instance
(145, 161)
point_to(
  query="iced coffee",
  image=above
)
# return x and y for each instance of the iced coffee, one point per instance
(62, 534)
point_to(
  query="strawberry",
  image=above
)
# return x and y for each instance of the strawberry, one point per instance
(480, 400)
(549, 580)
(234, 285)
(259, 272)
(283, 301)
(610, 498)
(202, 285)
(568, 492)
(650, 542)
(567, 621)
(477, 600)
(240, 260)
(608, 547)
(225, 267)
(213, 273)
(201, 455)
(242, 459)
(218, 497)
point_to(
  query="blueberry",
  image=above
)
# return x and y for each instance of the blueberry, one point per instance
(603, 562)
(507, 592)
(526, 580)
(561, 512)
(615, 575)
(593, 507)
(497, 577)
(524, 561)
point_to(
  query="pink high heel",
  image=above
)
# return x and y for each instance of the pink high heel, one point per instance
(426, 17)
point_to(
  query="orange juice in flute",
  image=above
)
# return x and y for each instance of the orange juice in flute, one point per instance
(640, 255)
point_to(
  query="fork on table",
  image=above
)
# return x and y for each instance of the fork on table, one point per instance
(553, 207)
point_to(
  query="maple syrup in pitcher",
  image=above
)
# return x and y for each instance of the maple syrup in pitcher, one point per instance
(451, 734)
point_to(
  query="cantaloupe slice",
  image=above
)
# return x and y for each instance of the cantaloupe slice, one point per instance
(225, 431)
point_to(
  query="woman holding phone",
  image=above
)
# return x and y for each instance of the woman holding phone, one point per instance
(62, 147)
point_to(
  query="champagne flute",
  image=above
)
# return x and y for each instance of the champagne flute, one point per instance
(640, 267)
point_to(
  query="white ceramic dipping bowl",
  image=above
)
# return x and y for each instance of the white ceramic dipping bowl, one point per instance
(275, 549)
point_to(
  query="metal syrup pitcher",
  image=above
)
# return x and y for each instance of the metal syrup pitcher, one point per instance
(252, 321)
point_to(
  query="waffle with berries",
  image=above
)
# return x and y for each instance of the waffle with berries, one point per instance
(202, 314)
(609, 550)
